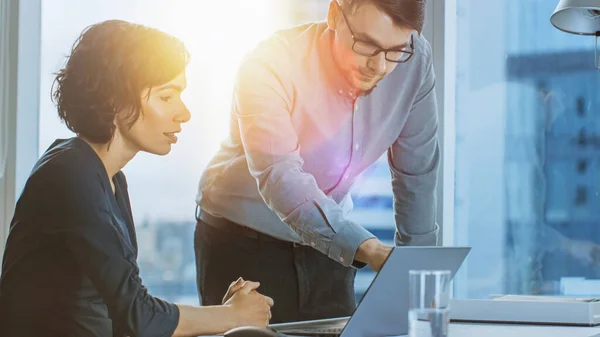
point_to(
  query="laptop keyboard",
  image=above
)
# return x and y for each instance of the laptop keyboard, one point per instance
(311, 334)
(326, 330)
(322, 331)
(332, 330)
(321, 328)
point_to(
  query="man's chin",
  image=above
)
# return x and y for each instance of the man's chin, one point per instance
(365, 85)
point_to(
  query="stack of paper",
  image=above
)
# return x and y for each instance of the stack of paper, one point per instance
(554, 299)
(528, 309)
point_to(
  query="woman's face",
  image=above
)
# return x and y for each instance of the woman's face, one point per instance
(160, 121)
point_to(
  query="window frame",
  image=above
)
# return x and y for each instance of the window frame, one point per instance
(440, 31)
(23, 22)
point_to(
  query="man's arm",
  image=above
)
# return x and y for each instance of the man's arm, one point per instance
(414, 161)
(263, 100)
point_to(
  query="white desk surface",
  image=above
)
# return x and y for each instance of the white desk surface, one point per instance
(519, 330)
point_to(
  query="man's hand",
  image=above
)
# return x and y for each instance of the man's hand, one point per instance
(374, 253)
(250, 307)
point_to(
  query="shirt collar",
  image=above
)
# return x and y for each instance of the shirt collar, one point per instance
(332, 70)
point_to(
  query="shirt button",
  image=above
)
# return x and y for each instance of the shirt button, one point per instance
(346, 176)
(356, 146)
(341, 259)
(341, 92)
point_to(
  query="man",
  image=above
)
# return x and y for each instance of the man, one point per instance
(314, 106)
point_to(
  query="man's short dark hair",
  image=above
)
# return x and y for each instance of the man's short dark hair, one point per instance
(405, 13)
(110, 65)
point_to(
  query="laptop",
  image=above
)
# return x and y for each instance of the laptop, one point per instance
(383, 310)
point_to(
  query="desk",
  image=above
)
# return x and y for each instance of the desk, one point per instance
(519, 330)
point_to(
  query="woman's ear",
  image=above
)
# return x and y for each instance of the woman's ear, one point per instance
(333, 15)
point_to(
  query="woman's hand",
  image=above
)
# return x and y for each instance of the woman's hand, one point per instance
(233, 288)
(249, 306)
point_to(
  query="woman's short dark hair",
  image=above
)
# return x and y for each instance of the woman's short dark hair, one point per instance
(110, 65)
(405, 13)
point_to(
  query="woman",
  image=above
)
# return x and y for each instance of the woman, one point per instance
(70, 266)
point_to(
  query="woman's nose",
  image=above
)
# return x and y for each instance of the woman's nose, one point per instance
(183, 116)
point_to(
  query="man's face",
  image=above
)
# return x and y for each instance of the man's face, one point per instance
(373, 30)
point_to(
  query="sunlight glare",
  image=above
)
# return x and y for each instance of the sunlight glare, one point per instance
(218, 35)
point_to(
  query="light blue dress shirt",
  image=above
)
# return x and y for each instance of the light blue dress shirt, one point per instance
(299, 138)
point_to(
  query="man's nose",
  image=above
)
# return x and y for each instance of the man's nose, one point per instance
(377, 63)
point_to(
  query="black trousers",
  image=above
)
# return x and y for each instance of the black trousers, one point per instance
(304, 283)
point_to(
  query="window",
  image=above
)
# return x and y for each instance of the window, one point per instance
(524, 145)
(527, 152)
(163, 189)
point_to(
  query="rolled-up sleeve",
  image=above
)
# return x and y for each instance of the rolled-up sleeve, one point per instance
(95, 244)
(414, 160)
(263, 101)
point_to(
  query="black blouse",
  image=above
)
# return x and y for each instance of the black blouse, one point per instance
(70, 267)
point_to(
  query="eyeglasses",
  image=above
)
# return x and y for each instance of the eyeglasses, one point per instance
(366, 48)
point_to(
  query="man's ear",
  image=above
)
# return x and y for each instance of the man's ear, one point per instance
(333, 15)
